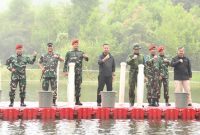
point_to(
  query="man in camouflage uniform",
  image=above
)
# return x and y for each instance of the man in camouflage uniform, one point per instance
(165, 63)
(48, 64)
(17, 65)
(152, 74)
(133, 61)
(75, 56)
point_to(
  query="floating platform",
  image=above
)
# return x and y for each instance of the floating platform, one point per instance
(89, 110)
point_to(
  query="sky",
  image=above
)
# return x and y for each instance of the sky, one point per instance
(4, 3)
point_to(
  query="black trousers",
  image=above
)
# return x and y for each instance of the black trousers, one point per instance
(102, 81)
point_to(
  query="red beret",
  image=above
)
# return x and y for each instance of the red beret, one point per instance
(152, 46)
(18, 46)
(75, 41)
(160, 48)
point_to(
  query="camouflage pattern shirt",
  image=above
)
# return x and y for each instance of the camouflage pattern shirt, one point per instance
(135, 62)
(19, 62)
(50, 63)
(164, 66)
(152, 67)
(76, 57)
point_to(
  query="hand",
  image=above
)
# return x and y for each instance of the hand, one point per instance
(181, 60)
(43, 69)
(107, 57)
(160, 78)
(145, 80)
(155, 57)
(165, 60)
(34, 53)
(65, 73)
(85, 56)
(13, 70)
(135, 56)
(55, 56)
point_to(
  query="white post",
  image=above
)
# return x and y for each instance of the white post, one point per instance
(122, 82)
(71, 83)
(140, 85)
(58, 71)
(0, 80)
(0, 75)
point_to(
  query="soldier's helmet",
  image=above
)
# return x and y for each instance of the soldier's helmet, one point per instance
(136, 46)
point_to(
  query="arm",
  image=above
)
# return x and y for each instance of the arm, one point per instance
(66, 66)
(100, 60)
(58, 57)
(40, 63)
(32, 61)
(189, 69)
(174, 62)
(113, 66)
(129, 59)
(8, 64)
(86, 58)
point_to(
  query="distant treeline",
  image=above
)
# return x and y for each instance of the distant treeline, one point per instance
(121, 23)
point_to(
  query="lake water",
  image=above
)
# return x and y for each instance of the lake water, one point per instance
(102, 127)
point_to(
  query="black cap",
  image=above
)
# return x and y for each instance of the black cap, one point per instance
(49, 44)
(136, 47)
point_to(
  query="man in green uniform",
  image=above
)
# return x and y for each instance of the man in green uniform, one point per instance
(75, 56)
(133, 61)
(152, 74)
(165, 63)
(17, 65)
(48, 64)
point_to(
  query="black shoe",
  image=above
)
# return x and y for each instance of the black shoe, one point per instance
(131, 104)
(189, 104)
(168, 104)
(78, 103)
(54, 104)
(98, 104)
(23, 105)
(11, 105)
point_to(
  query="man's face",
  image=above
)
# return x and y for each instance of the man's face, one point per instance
(50, 49)
(153, 51)
(162, 52)
(75, 46)
(19, 51)
(106, 49)
(181, 52)
(136, 51)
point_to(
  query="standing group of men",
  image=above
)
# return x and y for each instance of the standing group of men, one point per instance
(48, 64)
(156, 72)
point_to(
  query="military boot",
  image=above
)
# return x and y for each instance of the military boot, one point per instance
(167, 102)
(150, 102)
(11, 103)
(157, 102)
(153, 103)
(78, 101)
(54, 102)
(22, 103)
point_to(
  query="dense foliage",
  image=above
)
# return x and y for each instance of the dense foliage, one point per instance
(121, 23)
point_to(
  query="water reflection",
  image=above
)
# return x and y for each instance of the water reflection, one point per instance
(94, 126)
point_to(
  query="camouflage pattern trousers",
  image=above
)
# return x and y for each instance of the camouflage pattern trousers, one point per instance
(53, 82)
(153, 89)
(78, 81)
(13, 87)
(165, 83)
(132, 86)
